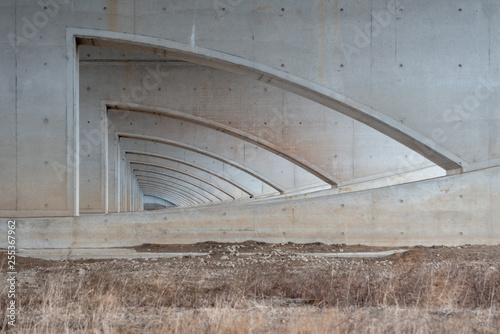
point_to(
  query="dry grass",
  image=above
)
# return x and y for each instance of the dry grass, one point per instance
(355, 298)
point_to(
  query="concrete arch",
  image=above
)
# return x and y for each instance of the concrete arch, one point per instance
(194, 200)
(234, 182)
(236, 179)
(180, 186)
(157, 200)
(212, 155)
(220, 192)
(174, 153)
(168, 196)
(167, 178)
(187, 198)
(182, 193)
(161, 196)
(149, 164)
(247, 137)
(315, 92)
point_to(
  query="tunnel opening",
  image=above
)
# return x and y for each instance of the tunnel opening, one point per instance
(152, 203)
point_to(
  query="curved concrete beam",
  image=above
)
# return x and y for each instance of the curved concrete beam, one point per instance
(168, 197)
(173, 184)
(188, 194)
(179, 156)
(313, 91)
(156, 198)
(231, 182)
(192, 199)
(191, 179)
(207, 153)
(293, 158)
(161, 196)
(167, 178)
(178, 201)
(187, 199)
(177, 172)
(238, 182)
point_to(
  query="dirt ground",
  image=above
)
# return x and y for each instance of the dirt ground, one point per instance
(252, 251)
(279, 284)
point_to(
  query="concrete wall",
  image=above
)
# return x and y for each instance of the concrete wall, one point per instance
(337, 146)
(454, 210)
(423, 75)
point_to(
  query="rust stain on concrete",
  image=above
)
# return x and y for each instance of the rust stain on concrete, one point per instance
(322, 41)
(112, 14)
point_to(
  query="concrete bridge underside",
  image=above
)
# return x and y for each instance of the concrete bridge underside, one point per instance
(340, 122)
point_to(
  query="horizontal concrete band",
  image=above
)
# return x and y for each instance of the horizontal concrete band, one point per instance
(452, 210)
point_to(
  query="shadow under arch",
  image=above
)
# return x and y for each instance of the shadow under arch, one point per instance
(139, 172)
(198, 150)
(176, 185)
(168, 196)
(149, 164)
(181, 192)
(365, 114)
(289, 82)
(240, 134)
(162, 197)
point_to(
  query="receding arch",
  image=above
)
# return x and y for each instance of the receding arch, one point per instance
(180, 192)
(135, 162)
(167, 196)
(161, 196)
(172, 179)
(174, 184)
(209, 184)
(187, 199)
(238, 185)
(209, 154)
(241, 186)
(289, 82)
(247, 137)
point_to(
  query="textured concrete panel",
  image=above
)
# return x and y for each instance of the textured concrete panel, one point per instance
(434, 83)
(41, 128)
(243, 104)
(429, 71)
(452, 210)
(105, 15)
(8, 163)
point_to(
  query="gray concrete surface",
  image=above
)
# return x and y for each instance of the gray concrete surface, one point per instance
(452, 210)
(242, 107)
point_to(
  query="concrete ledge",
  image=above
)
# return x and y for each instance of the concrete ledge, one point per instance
(96, 253)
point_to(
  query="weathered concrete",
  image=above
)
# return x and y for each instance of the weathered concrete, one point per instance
(97, 253)
(245, 109)
(451, 210)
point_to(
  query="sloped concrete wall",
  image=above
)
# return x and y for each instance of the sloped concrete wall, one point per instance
(454, 210)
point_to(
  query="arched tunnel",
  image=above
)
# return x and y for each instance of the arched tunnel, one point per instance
(155, 122)
(191, 134)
